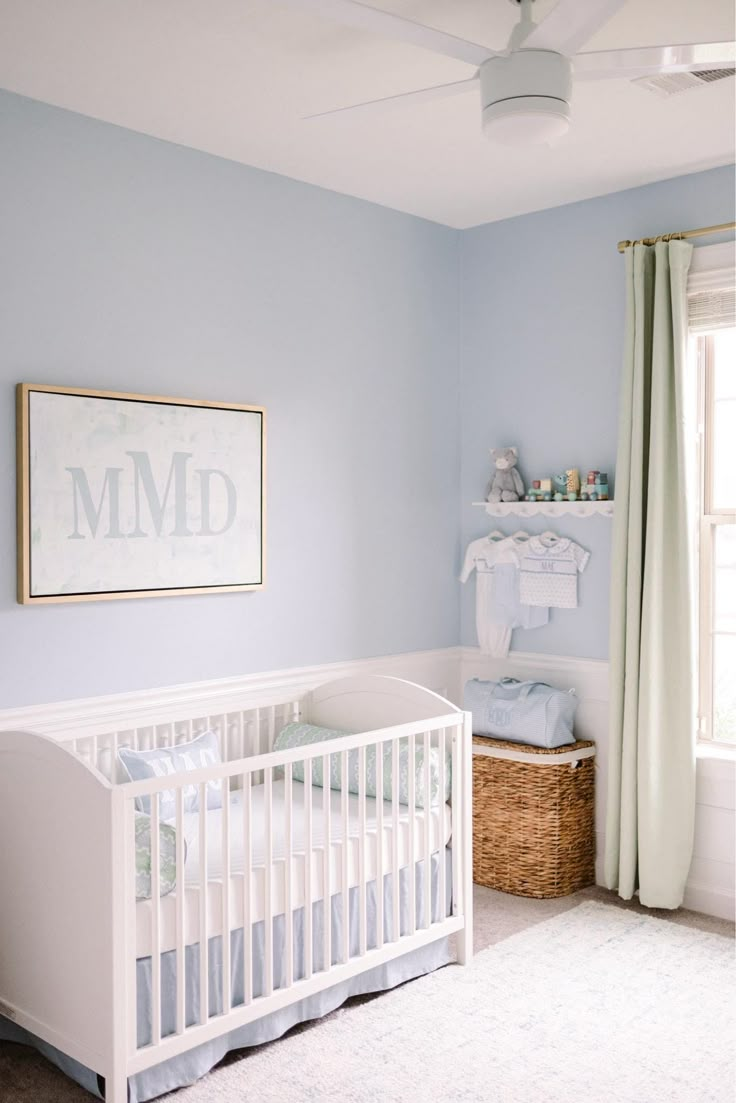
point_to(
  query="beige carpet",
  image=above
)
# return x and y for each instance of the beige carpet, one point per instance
(25, 1077)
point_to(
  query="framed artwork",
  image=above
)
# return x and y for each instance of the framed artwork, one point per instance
(131, 495)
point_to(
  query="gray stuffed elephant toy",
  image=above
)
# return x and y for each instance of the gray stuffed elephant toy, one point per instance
(506, 485)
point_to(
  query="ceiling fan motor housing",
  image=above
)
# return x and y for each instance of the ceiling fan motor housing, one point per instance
(525, 96)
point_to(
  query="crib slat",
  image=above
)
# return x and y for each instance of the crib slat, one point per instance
(456, 822)
(180, 932)
(395, 887)
(327, 862)
(362, 892)
(379, 845)
(155, 922)
(131, 982)
(441, 840)
(204, 971)
(410, 860)
(226, 978)
(428, 834)
(345, 855)
(288, 915)
(267, 886)
(247, 877)
(308, 966)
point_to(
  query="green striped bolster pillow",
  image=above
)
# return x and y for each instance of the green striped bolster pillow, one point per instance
(301, 735)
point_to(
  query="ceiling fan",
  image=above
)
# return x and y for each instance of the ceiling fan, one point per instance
(526, 88)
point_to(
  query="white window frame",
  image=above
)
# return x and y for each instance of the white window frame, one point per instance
(712, 266)
(709, 520)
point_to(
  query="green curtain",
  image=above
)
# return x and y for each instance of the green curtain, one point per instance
(651, 790)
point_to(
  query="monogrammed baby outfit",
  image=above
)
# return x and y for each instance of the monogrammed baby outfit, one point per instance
(549, 567)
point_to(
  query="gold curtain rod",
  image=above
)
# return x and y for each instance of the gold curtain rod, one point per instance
(724, 226)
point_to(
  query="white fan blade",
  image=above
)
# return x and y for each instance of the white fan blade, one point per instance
(571, 24)
(645, 61)
(351, 13)
(422, 95)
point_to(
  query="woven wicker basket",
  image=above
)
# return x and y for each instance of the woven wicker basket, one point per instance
(533, 818)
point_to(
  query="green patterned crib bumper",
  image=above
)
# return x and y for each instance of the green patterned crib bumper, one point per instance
(300, 735)
(167, 852)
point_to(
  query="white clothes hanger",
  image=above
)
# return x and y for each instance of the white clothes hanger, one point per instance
(496, 535)
(549, 536)
(520, 534)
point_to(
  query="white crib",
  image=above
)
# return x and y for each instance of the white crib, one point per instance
(73, 936)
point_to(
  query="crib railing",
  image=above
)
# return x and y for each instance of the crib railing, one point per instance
(355, 859)
(240, 734)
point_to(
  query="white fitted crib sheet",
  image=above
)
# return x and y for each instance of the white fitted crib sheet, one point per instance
(439, 826)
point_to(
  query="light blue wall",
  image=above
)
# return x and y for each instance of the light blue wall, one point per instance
(132, 264)
(541, 346)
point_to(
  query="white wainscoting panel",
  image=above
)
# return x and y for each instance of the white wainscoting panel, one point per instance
(711, 888)
(437, 670)
(711, 885)
(589, 679)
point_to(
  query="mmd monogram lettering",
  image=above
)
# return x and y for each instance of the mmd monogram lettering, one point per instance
(144, 489)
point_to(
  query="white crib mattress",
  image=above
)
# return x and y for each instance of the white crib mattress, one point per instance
(439, 827)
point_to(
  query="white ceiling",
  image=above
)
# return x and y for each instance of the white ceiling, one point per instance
(235, 77)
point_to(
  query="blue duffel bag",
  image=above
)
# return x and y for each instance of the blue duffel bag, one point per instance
(523, 712)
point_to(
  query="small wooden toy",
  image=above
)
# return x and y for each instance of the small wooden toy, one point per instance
(572, 476)
(560, 485)
(545, 485)
(559, 496)
(601, 486)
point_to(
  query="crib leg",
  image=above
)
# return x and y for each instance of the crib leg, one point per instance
(116, 1088)
(465, 936)
(465, 946)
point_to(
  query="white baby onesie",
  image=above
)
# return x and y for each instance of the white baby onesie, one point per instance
(549, 571)
(497, 607)
(481, 556)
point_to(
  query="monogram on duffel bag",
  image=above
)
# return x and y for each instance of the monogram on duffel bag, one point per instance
(524, 712)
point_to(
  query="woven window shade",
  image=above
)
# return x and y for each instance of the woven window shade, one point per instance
(711, 287)
(712, 309)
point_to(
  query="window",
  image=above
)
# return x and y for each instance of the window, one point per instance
(712, 321)
(716, 360)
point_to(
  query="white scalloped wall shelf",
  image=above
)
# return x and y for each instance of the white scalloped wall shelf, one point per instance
(548, 509)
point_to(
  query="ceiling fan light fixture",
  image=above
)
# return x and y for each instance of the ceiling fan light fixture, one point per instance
(525, 97)
(528, 120)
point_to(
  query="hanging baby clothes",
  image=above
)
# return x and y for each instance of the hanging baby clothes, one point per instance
(549, 571)
(506, 606)
(481, 557)
(497, 606)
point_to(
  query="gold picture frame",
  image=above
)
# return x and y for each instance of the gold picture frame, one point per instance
(99, 505)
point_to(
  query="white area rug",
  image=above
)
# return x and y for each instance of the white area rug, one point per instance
(597, 1004)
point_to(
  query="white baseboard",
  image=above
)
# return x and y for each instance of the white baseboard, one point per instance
(709, 901)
